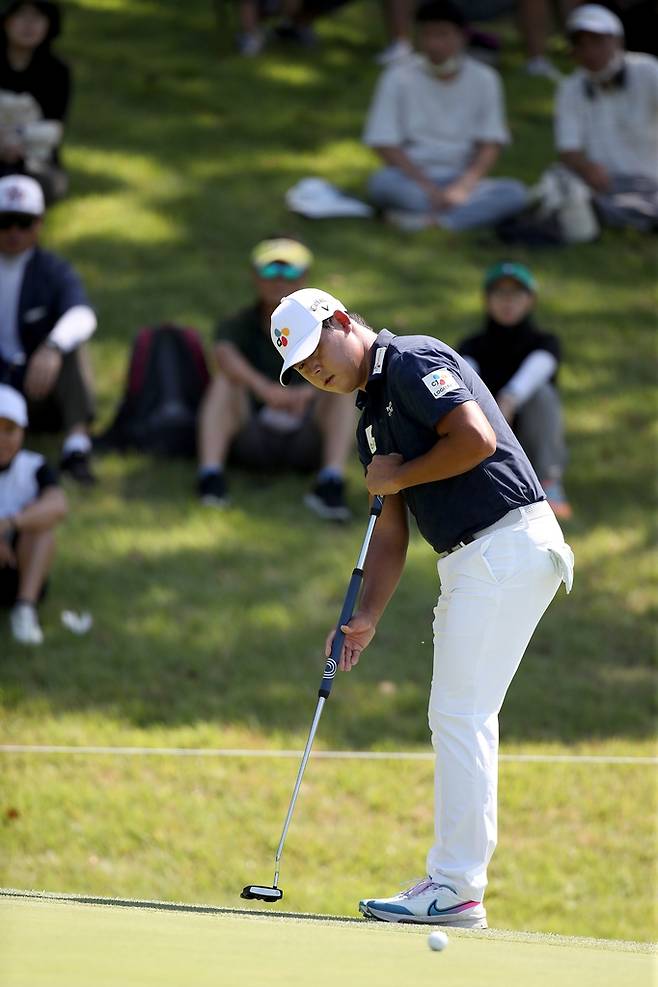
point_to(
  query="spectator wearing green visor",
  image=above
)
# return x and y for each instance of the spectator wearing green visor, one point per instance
(248, 419)
(519, 363)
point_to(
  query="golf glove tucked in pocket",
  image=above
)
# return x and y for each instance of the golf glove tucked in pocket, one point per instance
(563, 561)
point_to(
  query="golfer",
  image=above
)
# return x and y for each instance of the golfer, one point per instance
(434, 442)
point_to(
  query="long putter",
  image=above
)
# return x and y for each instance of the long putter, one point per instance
(275, 893)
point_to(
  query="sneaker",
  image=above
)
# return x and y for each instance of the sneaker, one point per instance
(78, 467)
(301, 34)
(396, 52)
(327, 500)
(25, 624)
(251, 44)
(409, 222)
(557, 499)
(427, 903)
(212, 490)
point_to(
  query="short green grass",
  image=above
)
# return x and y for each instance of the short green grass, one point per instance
(105, 945)
(209, 627)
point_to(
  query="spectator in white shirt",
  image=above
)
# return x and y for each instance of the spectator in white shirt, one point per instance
(45, 318)
(31, 505)
(606, 120)
(438, 123)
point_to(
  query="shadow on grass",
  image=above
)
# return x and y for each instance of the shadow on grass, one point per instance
(232, 633)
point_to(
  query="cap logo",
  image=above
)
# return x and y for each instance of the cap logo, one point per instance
(15, 194)
(282, 336)
(319, 303)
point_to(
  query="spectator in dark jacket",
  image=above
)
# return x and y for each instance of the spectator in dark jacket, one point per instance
(34, 94)
(45, 318)
(518, 363)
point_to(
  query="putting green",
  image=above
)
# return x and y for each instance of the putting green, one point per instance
(51, 942)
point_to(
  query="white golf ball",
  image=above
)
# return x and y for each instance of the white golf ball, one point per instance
(437, 940)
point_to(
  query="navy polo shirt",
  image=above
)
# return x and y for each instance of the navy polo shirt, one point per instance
(414, 382)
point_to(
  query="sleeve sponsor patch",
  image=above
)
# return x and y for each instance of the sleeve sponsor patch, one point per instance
(440, 382)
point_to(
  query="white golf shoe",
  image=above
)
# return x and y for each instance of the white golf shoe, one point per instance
(427, 903)
(25, 624)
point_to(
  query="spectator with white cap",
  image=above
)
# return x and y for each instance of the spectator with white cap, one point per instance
(31, 505)
(45, 318)
(606, 120)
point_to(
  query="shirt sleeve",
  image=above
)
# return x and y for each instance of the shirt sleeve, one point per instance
(70, 289)
(427, 386)
(384, 125)
(492, 126)
(569, 134)
(46, 477)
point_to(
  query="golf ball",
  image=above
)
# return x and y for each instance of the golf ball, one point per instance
(437, 940)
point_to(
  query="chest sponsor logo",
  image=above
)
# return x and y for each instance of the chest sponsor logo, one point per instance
(371, 439)
(440, 382)
(389, 408)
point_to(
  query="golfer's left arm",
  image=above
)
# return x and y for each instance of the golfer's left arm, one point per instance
(466, 439)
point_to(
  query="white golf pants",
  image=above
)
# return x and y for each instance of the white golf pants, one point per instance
(493, 594)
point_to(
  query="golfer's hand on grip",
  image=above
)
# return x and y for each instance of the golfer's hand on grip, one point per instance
(359, 632)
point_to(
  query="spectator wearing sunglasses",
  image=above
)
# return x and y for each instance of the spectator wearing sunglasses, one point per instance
(249, 419)
(45, 320)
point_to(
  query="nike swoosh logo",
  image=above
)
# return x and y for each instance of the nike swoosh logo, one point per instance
(433, 910)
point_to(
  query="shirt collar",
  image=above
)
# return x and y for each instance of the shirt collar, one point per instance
(377, 365)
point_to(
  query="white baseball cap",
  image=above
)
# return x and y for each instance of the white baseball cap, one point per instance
(596, 19)
(13, 406)
(297, 324)
(20, 193)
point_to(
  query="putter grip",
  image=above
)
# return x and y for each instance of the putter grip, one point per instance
(331, 666)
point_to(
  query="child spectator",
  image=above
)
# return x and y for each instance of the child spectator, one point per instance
(518, 363)
(31, 505)
(45, 319)
(437, 122)
(34, 94)
(606, 121)
(248, 414)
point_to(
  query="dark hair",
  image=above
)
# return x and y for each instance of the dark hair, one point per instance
(46, 7)
(440, 10)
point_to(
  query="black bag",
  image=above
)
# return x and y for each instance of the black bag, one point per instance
(167, 376)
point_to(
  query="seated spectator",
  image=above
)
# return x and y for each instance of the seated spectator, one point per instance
(31, 505)
(437, 122)
(518, 363)
(34, 94)
(606, 120)
(249, 416)
(45, 319)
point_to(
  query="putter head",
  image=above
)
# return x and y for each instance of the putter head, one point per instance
(261, 894)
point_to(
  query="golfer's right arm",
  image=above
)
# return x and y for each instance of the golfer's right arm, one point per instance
(384, 564)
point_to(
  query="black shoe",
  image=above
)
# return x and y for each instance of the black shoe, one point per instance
(78, 467)
(327, 500)
(212, 490)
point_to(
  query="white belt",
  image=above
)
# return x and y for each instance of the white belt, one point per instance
(541, 508)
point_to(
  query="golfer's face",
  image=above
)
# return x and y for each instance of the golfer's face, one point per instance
(332, 366)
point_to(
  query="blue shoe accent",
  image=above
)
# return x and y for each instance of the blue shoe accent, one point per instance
(384, 906)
